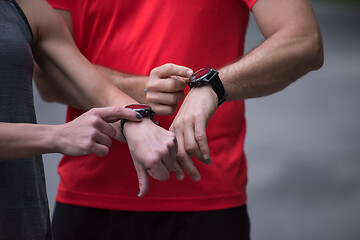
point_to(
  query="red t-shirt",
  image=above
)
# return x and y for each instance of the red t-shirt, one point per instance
(134, 37)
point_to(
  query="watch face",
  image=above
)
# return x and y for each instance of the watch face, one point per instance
(138, 106)
(200, 73)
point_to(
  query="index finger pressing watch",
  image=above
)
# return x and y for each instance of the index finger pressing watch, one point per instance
(209, 76)
(143, 109)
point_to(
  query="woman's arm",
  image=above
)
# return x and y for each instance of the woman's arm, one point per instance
(89, 133)
(57, 55)
(164, 91)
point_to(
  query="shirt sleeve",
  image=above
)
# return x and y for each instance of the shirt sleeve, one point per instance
(250, 3)
(60, 4)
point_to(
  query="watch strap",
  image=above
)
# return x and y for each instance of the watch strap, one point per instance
(147, 112)
(218, 88)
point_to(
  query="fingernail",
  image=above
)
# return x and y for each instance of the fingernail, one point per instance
(207, 159)
(189, 72)
(197, 178)
(138, 116)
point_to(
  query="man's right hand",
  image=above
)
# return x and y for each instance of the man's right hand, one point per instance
(153, 150)
(165, 87)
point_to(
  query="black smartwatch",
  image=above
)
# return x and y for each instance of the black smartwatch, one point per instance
(206, 76)
(143, 109)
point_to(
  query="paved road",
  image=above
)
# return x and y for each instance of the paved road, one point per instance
(303, 143)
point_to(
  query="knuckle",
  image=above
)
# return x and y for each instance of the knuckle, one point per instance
(118, 109)
(177, 124)
(151, 162)
(177, 170)
(170, 144)
(154, 71)
(149, 97)
(151, 85)
(94, 120)
(82, 149)
(92, 111)
(166, 110)
(176, 167)
(198, 115)
(163, 151)
(168, 66)
(190, 148)
(181, 156)
(188, 118)
(161, 69)
(153, 98)
(171, 109)
(88, 146)
(155, 108)
(172, 139)
(172, 136)
(199, 136)
(171, 84)
(173, 99)
(92, 133)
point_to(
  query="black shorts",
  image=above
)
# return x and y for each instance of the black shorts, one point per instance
(74, 222)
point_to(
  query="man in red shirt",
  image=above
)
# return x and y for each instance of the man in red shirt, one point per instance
(125, 40)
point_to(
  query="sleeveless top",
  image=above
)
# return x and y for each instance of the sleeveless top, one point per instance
(24, 208)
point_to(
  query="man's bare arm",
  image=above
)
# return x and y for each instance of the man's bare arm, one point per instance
(292, 48)
(51, 92)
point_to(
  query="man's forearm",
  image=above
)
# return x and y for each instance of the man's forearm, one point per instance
(49, 90)
(275, 64)
(52, 92)
(132, 85)
(292, 48)
(73, 75)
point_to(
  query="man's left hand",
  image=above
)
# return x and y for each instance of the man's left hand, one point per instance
(189, 127)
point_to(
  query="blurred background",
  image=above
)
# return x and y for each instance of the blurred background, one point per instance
(303, 143)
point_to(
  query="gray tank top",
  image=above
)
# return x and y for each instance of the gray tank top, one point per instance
(24, 208)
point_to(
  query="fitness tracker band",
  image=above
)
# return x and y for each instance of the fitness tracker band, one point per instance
(143, 109)
(206, 76)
